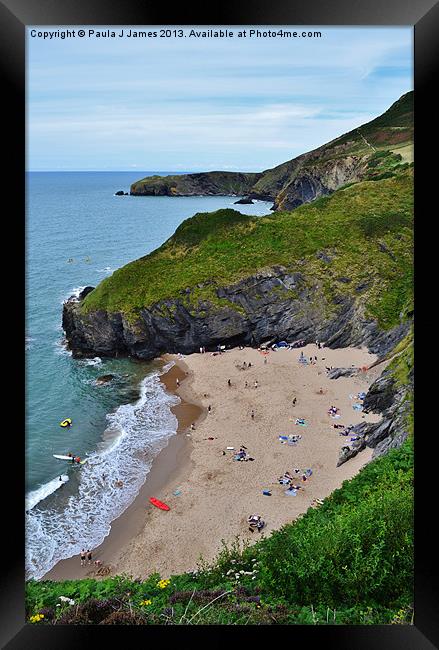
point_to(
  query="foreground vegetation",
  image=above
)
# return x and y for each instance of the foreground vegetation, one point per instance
(350, 561)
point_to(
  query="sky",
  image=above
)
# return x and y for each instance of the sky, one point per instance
(187, 104)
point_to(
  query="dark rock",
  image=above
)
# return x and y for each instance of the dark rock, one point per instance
(85, 292)
(391, 400)
(335, 373)
(362, 286)
(321, 255)
(245, 201)
(104, 379)
(272, 304)
(343, 279)
(120, 193)
(349, 451)
(384, 249)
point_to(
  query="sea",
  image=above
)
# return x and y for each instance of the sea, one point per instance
(77, 233)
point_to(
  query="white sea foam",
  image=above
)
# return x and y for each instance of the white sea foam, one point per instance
(28, 342)
(105, 270)
(60, 347)
(96, 361)
(41, 493)
(135, 434)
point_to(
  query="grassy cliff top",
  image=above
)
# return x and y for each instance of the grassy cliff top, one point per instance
(358, 223)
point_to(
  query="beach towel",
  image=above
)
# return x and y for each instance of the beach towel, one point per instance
(357, 407)
(337, 416)
(291, 493)
(308, 472)
(176, 493)
(361, 395)
(266, 493)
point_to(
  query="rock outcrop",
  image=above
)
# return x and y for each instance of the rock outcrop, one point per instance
(272, 304)
(392, 401)
(205, 183)
(244, 202)
(335, 373)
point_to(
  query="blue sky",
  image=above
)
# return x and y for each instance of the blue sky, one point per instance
(208, 104)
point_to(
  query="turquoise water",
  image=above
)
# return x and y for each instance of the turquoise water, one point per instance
(77, 233)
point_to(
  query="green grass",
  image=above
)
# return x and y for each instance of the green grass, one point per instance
(350, 561)
(225, 246)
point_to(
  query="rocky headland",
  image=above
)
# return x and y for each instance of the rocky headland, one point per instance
(333, 263)
(350, 158)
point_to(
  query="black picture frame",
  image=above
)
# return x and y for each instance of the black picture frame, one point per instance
(15, 15)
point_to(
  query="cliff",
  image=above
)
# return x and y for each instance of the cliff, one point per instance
(339, 269)
(366, 152)
(207, 183)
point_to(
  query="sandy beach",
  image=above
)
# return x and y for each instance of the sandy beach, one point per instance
(209, 493)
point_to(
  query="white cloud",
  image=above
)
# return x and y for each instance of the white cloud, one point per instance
(244, 103)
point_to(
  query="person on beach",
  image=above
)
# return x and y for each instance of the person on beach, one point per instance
(256, 383)
(252, 413)
(294, 401)
(118, 483)
(83, 557)
(193, 426)
(249, 364)
(177, 381)
(209, 409)
(89, 556)
(246, 384)
(255, 522)
(244, 366)
(229, 383)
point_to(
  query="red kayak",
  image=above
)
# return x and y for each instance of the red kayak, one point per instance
(158, 504)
